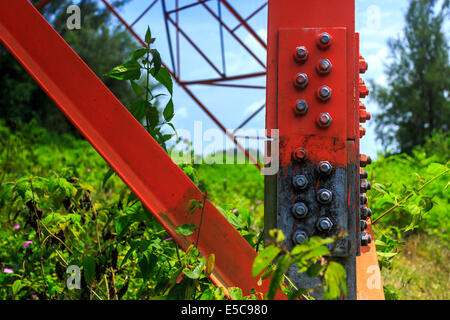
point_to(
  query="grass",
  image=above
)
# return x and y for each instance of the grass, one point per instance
(420, 272)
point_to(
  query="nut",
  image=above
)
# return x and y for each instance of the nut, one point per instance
(324, 196)
(364, 160)
(301, 107)
(365, 212)
(324, 40)
(299, 236)
(301, 54)
(365, 239)
(363, 224)
(363, 65)
(363, 174)
(300, 182)
(324, 66)
(301, 80)
(324, 93)
(362, 131)
(363, 199)
(324, 225)
(325, 168)
(363, 90)
(300, 210)
(324, 120)
(365, 186)
(299, 154)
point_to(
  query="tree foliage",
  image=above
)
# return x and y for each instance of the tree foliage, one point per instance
(99, 42)
(415, 102)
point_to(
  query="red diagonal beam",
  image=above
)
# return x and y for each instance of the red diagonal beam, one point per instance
(138, 159)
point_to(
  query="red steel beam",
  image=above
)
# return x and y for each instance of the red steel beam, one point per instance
(143, 13)
(42, 4)
(158, 182)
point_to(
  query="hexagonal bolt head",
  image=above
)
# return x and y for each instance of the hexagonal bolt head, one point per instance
(363, 65)
(324, 40)
(362, 131)
(324, 93)
(299, 236)
(365, 213)
(363, 199)
(299, 154)
(301, 107)
(324, 196)
(364, 116)
(325, 168)
(363, 224)
(300, 182)
(364, 160)
(324, 225)
(301, 54)
(300, 210)
(301, 80)
(324, 66)
(324, 120)
(365, 239)
(363, 174)
(363, 90)
(365, 186)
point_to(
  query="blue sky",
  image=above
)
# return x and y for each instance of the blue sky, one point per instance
(376, 21)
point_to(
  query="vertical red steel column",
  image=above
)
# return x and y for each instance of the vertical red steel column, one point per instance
(311, 99)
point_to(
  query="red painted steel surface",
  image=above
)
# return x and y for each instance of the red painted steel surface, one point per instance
(149, 172)
(291, 24)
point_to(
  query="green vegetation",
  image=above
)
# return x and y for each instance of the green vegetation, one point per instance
(54, 182)
(415, 103)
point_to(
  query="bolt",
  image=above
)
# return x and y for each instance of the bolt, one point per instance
(325, 168)
(324, 66)
(324, 225)
(300, 182)
(365, 186)
(324, 120)
(363, 90)
(324, 196)
(365, 239)
(299, 236)
(365, 160)
(365, 212)
(363, 174)
(301, 54)
(363, 65)
(300, 210)
(299, 154)
(364, 115)
(324, 40)
(301, 107)
(324, 93)
(362, 131)
(364, 225)
(363, 199)
(301, 81)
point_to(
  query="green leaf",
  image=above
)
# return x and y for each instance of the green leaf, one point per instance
(157, 62)
(136, 88)
(235, 293)
(139, 53)
(107, 176)
(147, 263)
(130, 70)
(277, 278)
(186, 229)
(89, 269)
(168, 112)
(163, 77)
(148, 36)
(196, 272)
(335, 281)
(138, 109)
(264, 259)
(314, 270)
(17, 286)
(210, 264)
